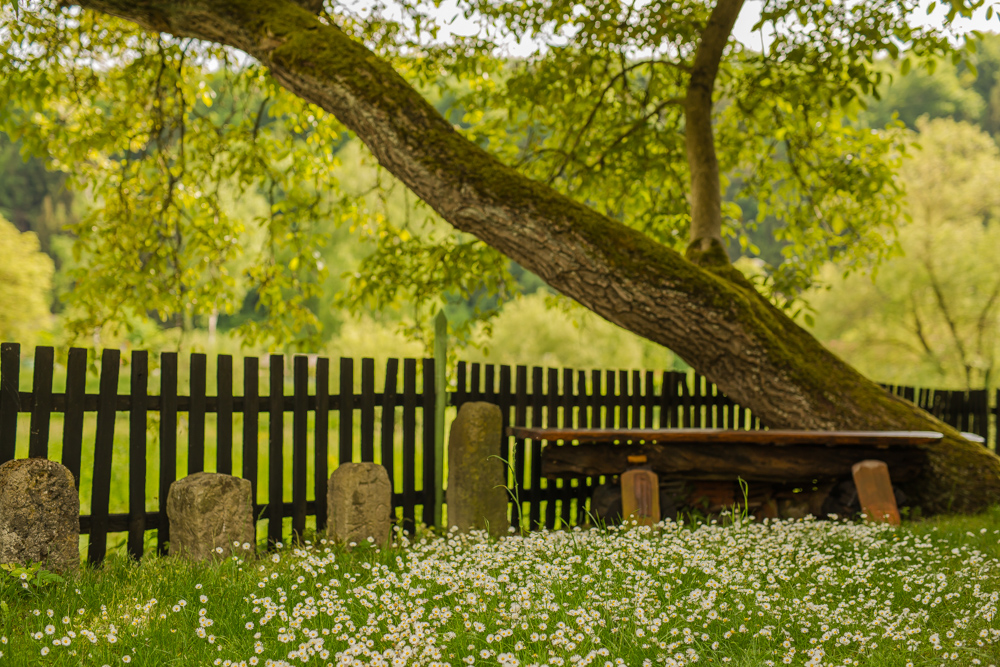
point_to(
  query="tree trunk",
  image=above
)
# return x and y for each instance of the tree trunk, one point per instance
(711, 317)
(706, 245)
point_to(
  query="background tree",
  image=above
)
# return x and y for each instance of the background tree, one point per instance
(699, 307)
(931, 316)
(25, 282)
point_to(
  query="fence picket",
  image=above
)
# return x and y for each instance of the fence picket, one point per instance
(409, 443)
(76, 388)
(41, 409)
(168, 441)
(300, 436)
(137, 454)
(389, 421)
(346, 414)
(520, 444)
(476, 395)
(224, 414)
(276, 445)
(321, 442)
(251, 426)
(10, 398)
(196, 414)
(104, 443)
(535, 491)
(368, 410)
(552, 486)
(428, 441)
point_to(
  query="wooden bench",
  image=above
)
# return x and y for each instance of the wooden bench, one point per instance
(778, 455)
(790, 472)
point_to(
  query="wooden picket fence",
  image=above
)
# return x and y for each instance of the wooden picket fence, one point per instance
(534, 397)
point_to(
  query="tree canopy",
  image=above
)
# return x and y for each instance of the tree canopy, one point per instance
(161, 130)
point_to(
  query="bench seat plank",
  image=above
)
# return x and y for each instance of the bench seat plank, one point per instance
(774, 437)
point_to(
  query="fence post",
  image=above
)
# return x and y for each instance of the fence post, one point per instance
(440, 400)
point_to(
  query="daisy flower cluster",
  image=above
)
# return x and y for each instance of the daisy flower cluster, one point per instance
(800, 592)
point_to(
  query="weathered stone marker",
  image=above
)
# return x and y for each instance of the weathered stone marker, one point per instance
(359, 504)
(210, 511)
(476, 497)
(39, 514)
(871, 478)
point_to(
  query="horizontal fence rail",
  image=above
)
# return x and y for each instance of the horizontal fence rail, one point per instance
(392, 426)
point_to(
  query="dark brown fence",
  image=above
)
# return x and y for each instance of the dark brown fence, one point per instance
(535, 397)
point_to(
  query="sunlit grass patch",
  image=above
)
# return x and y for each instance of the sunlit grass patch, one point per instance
(789, 592)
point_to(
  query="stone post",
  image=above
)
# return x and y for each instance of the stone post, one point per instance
(39, 514)
(476, 493)
(210, 511)
(359, 504)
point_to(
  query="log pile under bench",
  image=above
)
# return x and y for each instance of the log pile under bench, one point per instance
(789, 473)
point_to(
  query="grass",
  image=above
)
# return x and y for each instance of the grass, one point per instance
(772, 593)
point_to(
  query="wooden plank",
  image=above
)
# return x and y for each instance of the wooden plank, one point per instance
(196, 414)
(389, 420)
(368, 410)
(774, 437)
(300, 436)
(104, 443)
(224, 411)
(168, 441)
(409, 443)
(517, 460)
(41, 410)
(796, 464)
(251, 425)
(275, 450)
(76, 389)
(10, 398)
(428, 441)
(346, 415)
(321, 446)
(137, 454)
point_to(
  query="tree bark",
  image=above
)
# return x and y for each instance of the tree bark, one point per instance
(711, 317)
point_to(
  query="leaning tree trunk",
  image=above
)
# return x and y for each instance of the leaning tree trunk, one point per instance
(712, 317)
